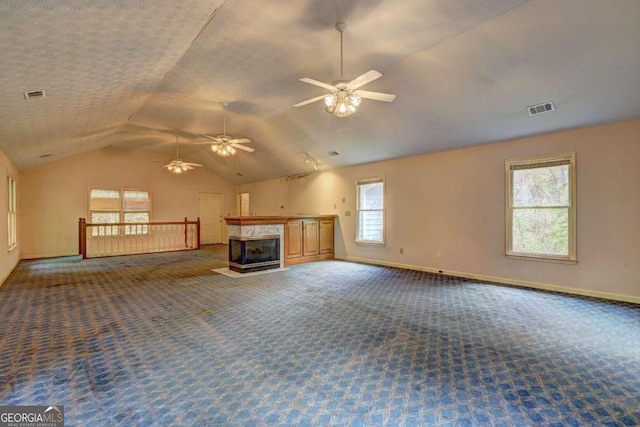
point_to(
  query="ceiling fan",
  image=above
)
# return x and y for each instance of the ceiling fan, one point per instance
(224, 145)
(345, 97)
(177, 165)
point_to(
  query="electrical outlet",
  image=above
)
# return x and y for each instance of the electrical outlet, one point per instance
(335, 206)
(401, 251)
(437, 254)
(343, 200)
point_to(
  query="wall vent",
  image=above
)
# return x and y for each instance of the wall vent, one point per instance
(34, 94)
(534, 110)
(333, 153)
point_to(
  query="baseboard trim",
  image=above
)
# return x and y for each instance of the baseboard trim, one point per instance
(45, 256)
(501, 280)
(8, 273)
(6, 276)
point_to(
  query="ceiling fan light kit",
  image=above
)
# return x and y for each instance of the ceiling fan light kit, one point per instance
(224, 145)
(344, 98)
(177, 166)
(342, 104)
(223, 149)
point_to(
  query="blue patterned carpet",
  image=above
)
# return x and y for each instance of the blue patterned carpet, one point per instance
(162, 340)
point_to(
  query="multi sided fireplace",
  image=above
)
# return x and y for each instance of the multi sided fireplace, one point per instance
(248, 254)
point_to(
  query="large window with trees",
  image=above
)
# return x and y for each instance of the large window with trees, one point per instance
(541, 208)
(370, 219)
(119, 206)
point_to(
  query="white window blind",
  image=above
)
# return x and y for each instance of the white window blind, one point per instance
(11, 213)
(370, 218)
(109, 206)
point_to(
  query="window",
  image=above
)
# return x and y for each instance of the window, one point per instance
(117, 206)
(541, 208)
(136, 209)
(11, 210)
(370, 220)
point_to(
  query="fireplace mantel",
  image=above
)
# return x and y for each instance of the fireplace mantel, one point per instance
(259, 220)
(255, 220)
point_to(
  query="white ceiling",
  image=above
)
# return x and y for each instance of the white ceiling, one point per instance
(135, 73)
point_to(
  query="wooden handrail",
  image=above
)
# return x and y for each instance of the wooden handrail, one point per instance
(113, 224)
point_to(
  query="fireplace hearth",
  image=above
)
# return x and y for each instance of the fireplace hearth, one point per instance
(249, 254)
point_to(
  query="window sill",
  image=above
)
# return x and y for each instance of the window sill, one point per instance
(370, 243)
(542, 259)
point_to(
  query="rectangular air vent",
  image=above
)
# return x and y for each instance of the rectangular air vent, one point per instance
(34, 94)
(534, 110)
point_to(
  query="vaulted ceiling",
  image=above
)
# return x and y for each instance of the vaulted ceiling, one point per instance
(139, 73)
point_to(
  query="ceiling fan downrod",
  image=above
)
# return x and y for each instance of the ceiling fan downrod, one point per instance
(341, 26)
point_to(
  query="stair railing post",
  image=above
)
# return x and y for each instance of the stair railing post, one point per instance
(82, 237)
(198, 233)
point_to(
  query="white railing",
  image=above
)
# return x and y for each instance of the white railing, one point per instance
(102, 240)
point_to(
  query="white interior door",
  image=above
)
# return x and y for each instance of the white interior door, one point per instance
(210, 218)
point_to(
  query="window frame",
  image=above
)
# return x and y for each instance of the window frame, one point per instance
(116, 231)
(12, 214)
(534, 163)
(359, 183)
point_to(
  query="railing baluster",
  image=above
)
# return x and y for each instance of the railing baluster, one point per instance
(99, 240)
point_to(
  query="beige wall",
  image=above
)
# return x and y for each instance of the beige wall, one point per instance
(8, 258)
(453, 202)
(55, 195)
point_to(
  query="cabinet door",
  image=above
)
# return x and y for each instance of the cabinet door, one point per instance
(293, 238)
(326, 236)
(311, 237)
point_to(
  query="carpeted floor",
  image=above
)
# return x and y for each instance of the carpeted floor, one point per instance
(163, 340)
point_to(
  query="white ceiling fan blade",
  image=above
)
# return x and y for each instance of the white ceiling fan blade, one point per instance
(192, 164)
(378, 96)
(309, 101)
(240, 141)
(318, 83)
(210, 140)
(203, 143)
(367, 77)
(211, 137)
(242, 147)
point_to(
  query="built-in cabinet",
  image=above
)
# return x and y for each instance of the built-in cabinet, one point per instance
(308, 239)
(326, 236)
(293, 239)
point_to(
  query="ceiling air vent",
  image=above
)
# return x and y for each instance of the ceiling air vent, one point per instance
(534, 110)
(34, 94)
(333, 153)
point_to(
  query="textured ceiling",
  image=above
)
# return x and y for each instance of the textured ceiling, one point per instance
(135, 73)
